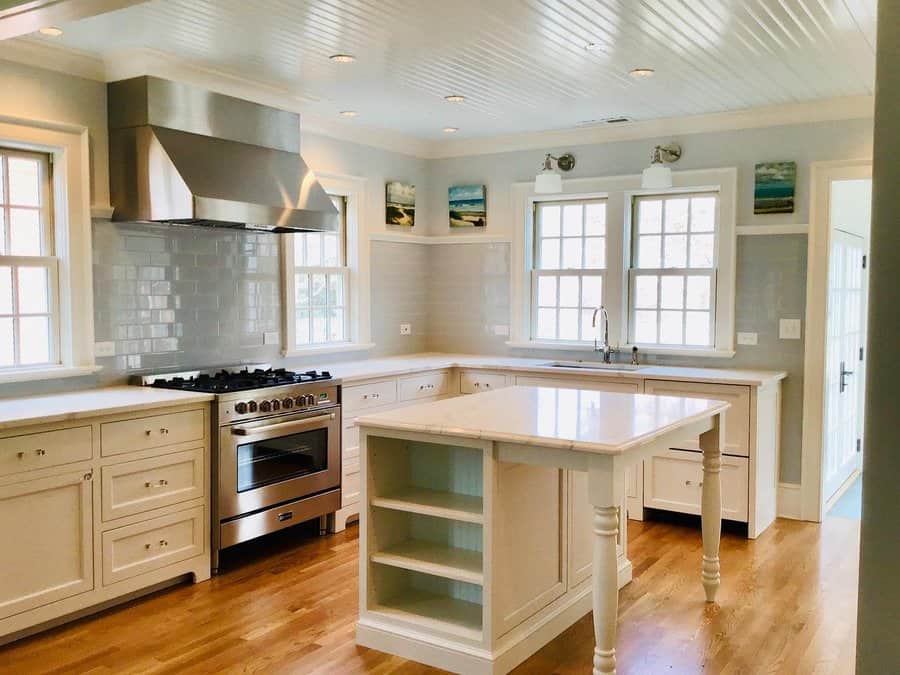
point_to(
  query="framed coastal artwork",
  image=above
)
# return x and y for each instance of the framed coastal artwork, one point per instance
(400, 204)
(467, 206)
(773, 191)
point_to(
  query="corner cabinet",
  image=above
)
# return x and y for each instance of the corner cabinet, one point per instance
(101, 510)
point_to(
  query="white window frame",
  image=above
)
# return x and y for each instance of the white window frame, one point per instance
(355, 271)
(619, 192)
(70, 244)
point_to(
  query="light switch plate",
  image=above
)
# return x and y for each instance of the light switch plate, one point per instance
(748, 338)
(105, 348)
(789, 329)
(272, 338)
(405, 329)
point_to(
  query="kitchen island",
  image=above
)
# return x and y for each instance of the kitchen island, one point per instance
(490, 522)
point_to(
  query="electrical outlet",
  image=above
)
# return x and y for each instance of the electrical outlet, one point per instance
(747, 338)
(105, 348)
(405, 329)
(789, 329)
(272, 338)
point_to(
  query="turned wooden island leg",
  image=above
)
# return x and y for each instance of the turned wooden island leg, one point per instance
(605, 569)
(711, 505)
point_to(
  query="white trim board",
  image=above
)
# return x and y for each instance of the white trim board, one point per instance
(787, 228)
(403, 238)
(789, 501)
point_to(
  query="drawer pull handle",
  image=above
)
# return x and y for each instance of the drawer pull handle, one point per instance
(287, 515)
(40, 452)
(162, 482)
(164, 431)
(690, 482)
(20, 455)
(162, 544)
(368, 396)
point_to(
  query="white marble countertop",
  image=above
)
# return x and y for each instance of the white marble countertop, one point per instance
(352, 372)
(587, 421)
(48, 408)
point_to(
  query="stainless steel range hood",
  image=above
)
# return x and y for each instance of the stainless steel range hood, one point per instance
(186, 156)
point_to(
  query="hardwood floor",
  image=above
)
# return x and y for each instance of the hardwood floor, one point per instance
(787, 605)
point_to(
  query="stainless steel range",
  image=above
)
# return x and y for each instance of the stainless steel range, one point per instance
(276, 448)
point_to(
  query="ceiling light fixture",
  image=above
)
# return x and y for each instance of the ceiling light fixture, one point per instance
(455, 98)
(52, 31)
(593, 47)
(349, 113)
(640, 73)
(658, 176)
(450, 130)
(549, 181)
(342, 58)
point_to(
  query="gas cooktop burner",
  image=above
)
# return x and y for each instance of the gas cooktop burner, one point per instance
(225, 381)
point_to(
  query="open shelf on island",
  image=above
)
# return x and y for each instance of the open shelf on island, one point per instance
(436, 612)
(449, 562)
(453, 505)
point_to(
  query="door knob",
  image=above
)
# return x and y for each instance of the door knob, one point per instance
(844, 374)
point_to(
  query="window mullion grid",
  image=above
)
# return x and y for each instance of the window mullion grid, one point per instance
(4, 174)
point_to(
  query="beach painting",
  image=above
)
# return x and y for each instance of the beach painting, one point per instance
(467, 206)
(400, 204)
(774, 188)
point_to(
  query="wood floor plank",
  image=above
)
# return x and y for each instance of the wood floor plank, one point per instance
(288, 605)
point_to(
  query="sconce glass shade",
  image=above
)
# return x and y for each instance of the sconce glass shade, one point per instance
(656, 177)
(548, 182)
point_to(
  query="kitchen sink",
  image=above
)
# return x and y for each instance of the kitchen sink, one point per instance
(591, 365)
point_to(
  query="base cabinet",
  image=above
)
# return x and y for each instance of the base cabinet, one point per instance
(47, 551)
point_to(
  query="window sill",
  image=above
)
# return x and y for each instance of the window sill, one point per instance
(328, 349)
(46, 373)
(626, 349)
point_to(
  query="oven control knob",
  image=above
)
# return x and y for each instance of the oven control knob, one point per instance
(252, 406)
(240, 408)
(287, 403)
(265, 406)
(310, 399)
(300, 401)
(276, 404)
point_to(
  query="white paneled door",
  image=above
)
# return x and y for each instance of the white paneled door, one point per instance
(844, 368)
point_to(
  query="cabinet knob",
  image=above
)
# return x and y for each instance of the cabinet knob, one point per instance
(89, 476)
(20, 455)
(40, 452)
(164, 431)
(147, 432)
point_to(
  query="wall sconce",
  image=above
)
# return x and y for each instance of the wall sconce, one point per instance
(549, 181)
(658, 176)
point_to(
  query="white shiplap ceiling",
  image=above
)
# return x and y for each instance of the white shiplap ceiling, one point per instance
(521, 64)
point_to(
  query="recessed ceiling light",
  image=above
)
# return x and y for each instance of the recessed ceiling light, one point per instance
(450, 130)
(593, 47)
(638, 73)
(342, 58)
(349, 113)
(52, 31)
(455, 98)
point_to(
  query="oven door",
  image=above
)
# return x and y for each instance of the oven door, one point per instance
(279, 459)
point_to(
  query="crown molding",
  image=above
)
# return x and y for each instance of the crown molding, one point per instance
(29, 51)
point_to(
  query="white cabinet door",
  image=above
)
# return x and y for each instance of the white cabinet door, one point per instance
(47, 551)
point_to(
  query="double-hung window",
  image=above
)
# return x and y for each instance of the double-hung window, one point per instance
(321, 283)
(672, 278)
(569, 268)
(29, 315)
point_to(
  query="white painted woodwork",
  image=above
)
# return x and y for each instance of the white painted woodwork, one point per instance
(634, 491)
(573, 382)
(143, 547)
(438, 503)
(153, 431)
(476, 381)
(47, 550)
(450, 562)
(711, 510)
(135, 487)
(426, 386)
(80, 530)
(737, 419)
(728, 58)
(43, 450)
(673, 481)
(359, 397)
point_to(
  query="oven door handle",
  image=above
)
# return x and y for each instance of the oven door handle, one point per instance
(250, 431)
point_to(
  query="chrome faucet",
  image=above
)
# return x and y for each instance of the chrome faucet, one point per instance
(605, 347)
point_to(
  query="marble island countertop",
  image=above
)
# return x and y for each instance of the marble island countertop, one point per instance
(352, 372)
(50, 408)
(587, 421)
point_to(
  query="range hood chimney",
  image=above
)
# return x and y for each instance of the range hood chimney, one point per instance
(182, 155)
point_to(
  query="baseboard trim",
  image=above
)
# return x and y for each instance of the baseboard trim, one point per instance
(790, 501)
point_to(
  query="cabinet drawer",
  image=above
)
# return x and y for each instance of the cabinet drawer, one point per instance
(362, 396)
(135, 487)
(152, 432)
(350, 490)
(144, 547)
(45, 449)
(673, 480)
(350, 439)
(425, 386)
(351, 466)
(474, 381)
(625, 386)
(737, 417)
